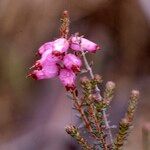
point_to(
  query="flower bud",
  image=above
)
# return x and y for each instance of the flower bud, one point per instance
(125, 121)
(79, 44)
(110, 85)
(71, 130)
(84, 80)
(97, 78)
(72, 62)
(135, 93)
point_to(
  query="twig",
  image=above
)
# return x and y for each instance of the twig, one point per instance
(126, 122)
(146, 136)
(93, 115)
(97, 90)
(88, 68)
(79, 108)
(101, 136)
(73, 131)
(84, 118)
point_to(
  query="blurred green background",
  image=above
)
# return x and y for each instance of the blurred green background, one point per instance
(33, 114)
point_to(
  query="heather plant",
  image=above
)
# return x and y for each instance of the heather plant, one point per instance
(65, 58)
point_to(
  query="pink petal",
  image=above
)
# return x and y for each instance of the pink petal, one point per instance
(72, 62)
(46, 47)
(46, 60)
(46, 72)
(60, 46)
(47, 57)
(79, 43)
(67, 77)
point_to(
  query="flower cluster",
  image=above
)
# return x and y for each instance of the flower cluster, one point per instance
(61, 58)
(56, 61)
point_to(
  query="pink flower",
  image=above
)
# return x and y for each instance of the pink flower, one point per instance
(60, 46)
(72, 62)
(67, 77)
(46, 47)
(49, 58)
(79, 44)
(46, 72)
(46, 59)
(56, 47)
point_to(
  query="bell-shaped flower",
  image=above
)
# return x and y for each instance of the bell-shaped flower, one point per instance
(72, 62)
(46, 59)
(82, 44)
(46, 47)
(48, 71)
(67, 77)
(60, 46)
(50, 58)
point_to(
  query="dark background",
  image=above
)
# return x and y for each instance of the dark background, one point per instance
(33, 114)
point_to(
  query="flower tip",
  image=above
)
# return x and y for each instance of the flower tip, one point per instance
(125, 121)
(110, 85)
(70, 87)
(65, 13)
(32, 75)
(98, 47)
(32, 67)
(75, 68)
(37, 54)
(37, 66)
(84, 80)
(28, 76)
(135, 93)
(58, 54)
(70, 129)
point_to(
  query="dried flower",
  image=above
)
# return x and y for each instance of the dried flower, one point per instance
(67, 77)
(72, 62)
(64, 28)
(80, 43)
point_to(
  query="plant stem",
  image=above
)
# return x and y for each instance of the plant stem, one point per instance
(101, 137)
(80, 110)
(73, 131)
(97, 90)
(84, 118)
